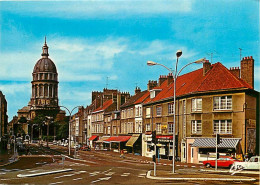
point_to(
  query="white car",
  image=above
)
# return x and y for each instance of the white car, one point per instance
(252, 164)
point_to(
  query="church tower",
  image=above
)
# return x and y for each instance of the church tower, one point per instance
(44, 84)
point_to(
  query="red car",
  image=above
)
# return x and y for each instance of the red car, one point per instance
(223, 161)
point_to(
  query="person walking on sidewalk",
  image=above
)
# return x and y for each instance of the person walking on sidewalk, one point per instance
(122, 154)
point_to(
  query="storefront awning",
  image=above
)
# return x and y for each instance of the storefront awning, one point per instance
(132, 140)
(102, 139)
(164, 138)
(211, 143)
(93, 138)
(118, 139)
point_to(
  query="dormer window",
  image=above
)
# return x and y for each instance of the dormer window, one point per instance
(154, 92)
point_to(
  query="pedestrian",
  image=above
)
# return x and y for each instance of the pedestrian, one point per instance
(122, 154)
(246, 157)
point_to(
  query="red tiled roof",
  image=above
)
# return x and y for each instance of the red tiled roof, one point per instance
(118, 139)
(141, 99)
(105, 105)
(217, 78)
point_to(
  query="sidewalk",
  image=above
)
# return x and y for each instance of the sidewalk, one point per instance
(195, 176)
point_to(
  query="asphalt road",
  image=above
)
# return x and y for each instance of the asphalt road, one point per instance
(92, 167)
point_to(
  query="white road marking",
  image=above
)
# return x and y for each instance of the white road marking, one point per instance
(77, 179)
(95, 181)
(110, 174)
(125, 174)
(3, 173)
(178, 165)
(193, 166)
(105, 178)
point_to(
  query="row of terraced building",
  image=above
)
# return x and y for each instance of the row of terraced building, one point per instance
(209, 100)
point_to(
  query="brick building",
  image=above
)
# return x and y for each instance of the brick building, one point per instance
(210, 100)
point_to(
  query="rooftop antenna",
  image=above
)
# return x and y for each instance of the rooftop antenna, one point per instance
(107, 82)
(240, 53)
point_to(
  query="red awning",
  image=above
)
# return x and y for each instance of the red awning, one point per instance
(118, 139)
(92, 138)
(164, 137)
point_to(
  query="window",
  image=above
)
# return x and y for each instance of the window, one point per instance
(159, 110)
(196, 104)
(138, 127)
(108, 130)
(222, 103)
(130, 127)
(158, 128)
(148, 112)
(223, 126)
(196, 126)
(148, 127)
(170, 108)
(170, 128)
(114, 130)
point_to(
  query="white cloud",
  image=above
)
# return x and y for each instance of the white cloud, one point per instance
(104, 8)
(14, 88)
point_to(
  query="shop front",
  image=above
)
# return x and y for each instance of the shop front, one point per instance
(134, 144)
(117, 143)
(201, 149)
(92, 140)
(101, 144)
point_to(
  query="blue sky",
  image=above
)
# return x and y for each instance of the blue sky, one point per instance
(92, 40)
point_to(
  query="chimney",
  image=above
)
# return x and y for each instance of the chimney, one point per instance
(162, 79)
(151, 84)
(206, 67)
(137, 90)
(118, 104)
(235, 71)
(247, 70)
(170, 78)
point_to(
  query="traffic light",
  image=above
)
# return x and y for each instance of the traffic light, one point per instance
(217, 155)
(154, 137)
(219, 140)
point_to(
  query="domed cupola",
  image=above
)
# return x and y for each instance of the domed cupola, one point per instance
(45, 82)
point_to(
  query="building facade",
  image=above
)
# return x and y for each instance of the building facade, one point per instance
(3, 115)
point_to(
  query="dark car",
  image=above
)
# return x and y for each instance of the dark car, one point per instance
(85, 148)
(223, 161)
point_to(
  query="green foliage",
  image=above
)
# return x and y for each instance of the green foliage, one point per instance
(22, 120)
(62, 130)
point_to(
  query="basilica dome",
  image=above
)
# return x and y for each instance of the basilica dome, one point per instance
(44, 65)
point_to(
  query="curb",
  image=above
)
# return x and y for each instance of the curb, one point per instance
(43, 173)
(6, 164)
(241, 172)
(195, 179)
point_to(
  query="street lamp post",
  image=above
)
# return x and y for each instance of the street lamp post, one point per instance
(175, 76)
(32, 132)
(70, 112)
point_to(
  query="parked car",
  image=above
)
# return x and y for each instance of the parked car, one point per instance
(85, 148)
(223, 161)
(252, 164)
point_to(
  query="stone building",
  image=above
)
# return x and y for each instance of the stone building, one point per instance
(3, 115)
(44, 96)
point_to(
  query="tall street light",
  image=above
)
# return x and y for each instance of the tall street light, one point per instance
(175, 76)
(70, 112)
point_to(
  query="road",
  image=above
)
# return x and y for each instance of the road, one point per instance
(92, 167)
